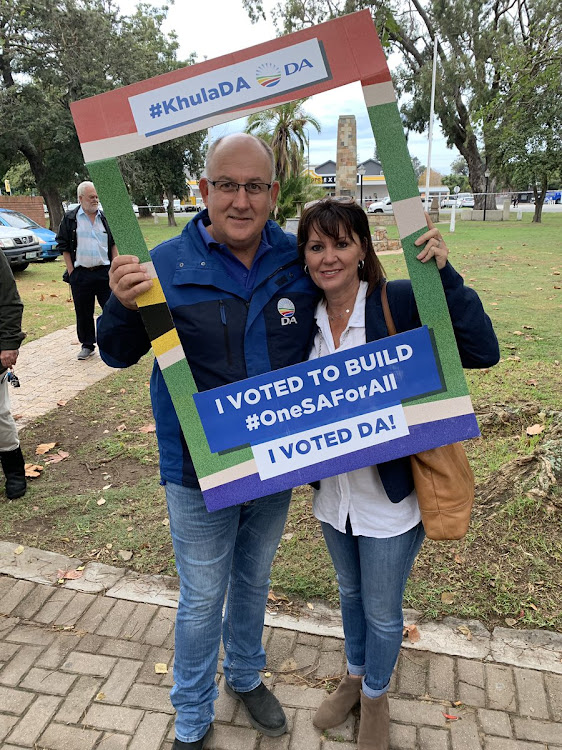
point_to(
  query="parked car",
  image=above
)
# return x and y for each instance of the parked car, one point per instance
(20, 247)
(381, 207)
(466, 201)
(193, 206)
(449, 201)
(47, 239)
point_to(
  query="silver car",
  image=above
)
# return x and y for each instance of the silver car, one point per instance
(20, 246)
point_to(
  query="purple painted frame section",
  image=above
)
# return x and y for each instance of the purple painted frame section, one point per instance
(443, 432)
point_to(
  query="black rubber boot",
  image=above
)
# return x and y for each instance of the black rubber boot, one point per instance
(14, 469)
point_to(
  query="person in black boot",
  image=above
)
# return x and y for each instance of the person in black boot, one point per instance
(11, 336)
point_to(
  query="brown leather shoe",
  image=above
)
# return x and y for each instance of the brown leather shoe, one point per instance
(374, 724)
(335, 708)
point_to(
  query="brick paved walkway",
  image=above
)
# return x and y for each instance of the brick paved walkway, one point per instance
(78, 672)
(49, 372)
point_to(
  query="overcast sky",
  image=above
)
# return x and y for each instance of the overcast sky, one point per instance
(210, 28)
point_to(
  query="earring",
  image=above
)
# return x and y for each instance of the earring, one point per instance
(361, 264)
(306, 269)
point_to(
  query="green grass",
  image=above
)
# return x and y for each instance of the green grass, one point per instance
(507, 567)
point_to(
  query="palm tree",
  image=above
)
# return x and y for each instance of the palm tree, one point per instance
(284, 128)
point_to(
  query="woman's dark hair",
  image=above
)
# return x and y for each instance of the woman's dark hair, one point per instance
(328, 216)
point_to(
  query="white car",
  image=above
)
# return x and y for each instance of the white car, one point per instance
(381, 207)
(20, 246)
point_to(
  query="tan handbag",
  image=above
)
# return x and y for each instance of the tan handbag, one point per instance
(443, 478)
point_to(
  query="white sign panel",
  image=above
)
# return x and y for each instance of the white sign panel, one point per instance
(302, 449)
(229, 88)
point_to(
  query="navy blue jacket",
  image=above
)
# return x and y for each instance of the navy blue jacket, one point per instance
(227, 333)
(476, 342)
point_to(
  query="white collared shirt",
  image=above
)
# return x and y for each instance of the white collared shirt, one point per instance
(91, 241)
(358, 494)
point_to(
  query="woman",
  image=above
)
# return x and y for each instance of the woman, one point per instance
(370, 517)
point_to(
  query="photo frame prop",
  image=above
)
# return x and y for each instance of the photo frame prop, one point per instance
(308, 62)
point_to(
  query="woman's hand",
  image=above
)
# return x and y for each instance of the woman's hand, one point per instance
(435, 246)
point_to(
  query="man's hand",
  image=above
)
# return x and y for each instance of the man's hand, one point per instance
(8, 357)
(127, 279)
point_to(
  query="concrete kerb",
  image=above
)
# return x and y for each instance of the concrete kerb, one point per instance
(531, 649)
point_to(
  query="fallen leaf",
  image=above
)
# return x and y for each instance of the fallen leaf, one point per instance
(517, 333)
(529, 328)
(412, 632)
(100, 697)
(533, 606)
(514, 358)
(109, 546)
(161, 668)
(510, 621)
(457, 703)
(69, 575)
(465, 631)
(287, 537)
(535, 429)
(121, 427)
(309, 605)
(18, 550)
(101, 501)
(33, 470)
(447, 597)
(61, 403)
(122, 390)
(532, 381)
(166, 522)
(450, 717)
(148, 428)
(44, 448)
(458, 559)
(125, 554)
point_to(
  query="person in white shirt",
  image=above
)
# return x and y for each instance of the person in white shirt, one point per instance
(370, 517)
(87, 246)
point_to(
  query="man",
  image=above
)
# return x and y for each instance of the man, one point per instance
(224, 279)
(11, 336)
(87, 246)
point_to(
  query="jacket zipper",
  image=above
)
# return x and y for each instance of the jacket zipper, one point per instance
(225, 331)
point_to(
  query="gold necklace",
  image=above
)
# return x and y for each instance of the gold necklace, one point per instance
(338, 316)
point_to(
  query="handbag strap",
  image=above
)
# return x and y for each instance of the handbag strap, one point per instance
(386, 311)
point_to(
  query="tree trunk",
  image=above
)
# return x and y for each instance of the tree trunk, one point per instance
(144, 212)
(54, 207)
(50, 194)
(539, 199)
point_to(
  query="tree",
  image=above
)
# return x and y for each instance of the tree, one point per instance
(527, 112)
(419, 168)
(285, 129)
(160, 171)
(294, 192)
(472, 38)
(54, 53)
(459, 166)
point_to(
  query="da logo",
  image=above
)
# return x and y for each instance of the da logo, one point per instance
(286, 310)
(268, 75)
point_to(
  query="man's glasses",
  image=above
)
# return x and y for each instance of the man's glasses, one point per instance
(332, 199)
(252, 188)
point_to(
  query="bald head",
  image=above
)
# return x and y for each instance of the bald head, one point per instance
(239, 140)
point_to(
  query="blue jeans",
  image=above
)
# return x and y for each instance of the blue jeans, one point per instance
(372, 575)
(227, 551)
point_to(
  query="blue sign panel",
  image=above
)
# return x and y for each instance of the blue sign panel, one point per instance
(311, 394)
